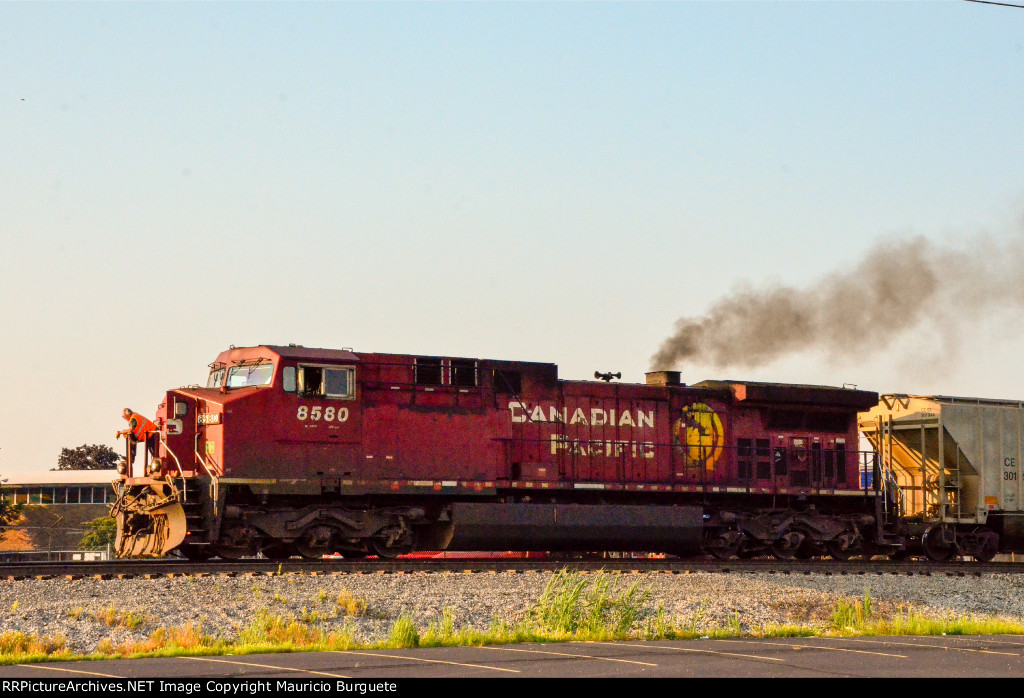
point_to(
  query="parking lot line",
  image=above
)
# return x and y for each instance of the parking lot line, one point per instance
(694, 649)
(925, 644)
(430, 661)
(815, 647)
(566, 654)
(269, 666)
(989, 639)
(72, 671)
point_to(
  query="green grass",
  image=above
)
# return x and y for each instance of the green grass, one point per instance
(859, 618)
(120, 619)
(18, 644)
(404, 633)
(572, 607)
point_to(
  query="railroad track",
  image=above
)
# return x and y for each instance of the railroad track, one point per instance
(121, 569)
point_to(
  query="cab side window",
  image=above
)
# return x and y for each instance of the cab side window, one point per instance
(311, 381)
(337, 382)
(326, 381)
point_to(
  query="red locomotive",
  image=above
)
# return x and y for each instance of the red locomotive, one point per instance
(315, 451)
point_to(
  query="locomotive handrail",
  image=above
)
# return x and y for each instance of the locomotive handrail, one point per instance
(200, 458)
(213, 478)
(699, 475)
(173, 455)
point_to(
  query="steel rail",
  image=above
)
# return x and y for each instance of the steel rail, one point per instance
(258, 567)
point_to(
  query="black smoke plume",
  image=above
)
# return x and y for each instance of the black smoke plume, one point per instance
(899, 286)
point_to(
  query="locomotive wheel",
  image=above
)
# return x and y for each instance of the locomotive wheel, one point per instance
(724, 545)
(838, 552)
(786, 546)
(392, 541)
(236, 543)
(380, 548)
(196, 553)
(935, 547)
(750, 549)
(808, 549)
(315, 542)
(844, 546)
(225, 552)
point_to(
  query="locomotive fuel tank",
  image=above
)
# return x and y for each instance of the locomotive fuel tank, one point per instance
(558, 527)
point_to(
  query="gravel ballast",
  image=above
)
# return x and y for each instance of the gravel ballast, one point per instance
(75, 608)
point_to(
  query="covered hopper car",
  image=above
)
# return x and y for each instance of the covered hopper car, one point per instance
(294, 450)
(953, 465)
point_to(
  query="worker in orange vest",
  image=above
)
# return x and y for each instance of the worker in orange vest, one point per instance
(140, 429)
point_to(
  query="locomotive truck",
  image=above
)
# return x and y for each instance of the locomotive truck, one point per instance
(295, 450)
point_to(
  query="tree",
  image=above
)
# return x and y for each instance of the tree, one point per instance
(9, 513)
(87, 457)
(102, 533)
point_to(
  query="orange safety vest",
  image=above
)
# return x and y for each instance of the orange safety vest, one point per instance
(143, 427)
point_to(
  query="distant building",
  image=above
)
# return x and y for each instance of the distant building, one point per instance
(56, 506)
(60, 487)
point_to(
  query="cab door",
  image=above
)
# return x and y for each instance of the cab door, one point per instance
(323, 418)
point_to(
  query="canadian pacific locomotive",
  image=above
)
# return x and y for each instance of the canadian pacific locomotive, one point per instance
(293, 450)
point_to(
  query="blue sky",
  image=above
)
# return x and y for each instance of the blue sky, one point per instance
(544, 181)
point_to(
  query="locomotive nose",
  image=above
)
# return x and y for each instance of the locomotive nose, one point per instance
(150, 519)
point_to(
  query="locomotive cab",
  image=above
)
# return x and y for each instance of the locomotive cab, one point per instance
(270, 422)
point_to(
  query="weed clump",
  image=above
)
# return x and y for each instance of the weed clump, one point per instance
(594, 609)
(267, 629)
(852, 615)
(404, 633)
(185, 639)
(22, 646)
(861, 618)
(350, 605)
(113, 618)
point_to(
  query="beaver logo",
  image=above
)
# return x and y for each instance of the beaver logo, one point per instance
(699, 436)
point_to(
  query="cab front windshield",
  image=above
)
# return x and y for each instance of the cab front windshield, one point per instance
(241, 376)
